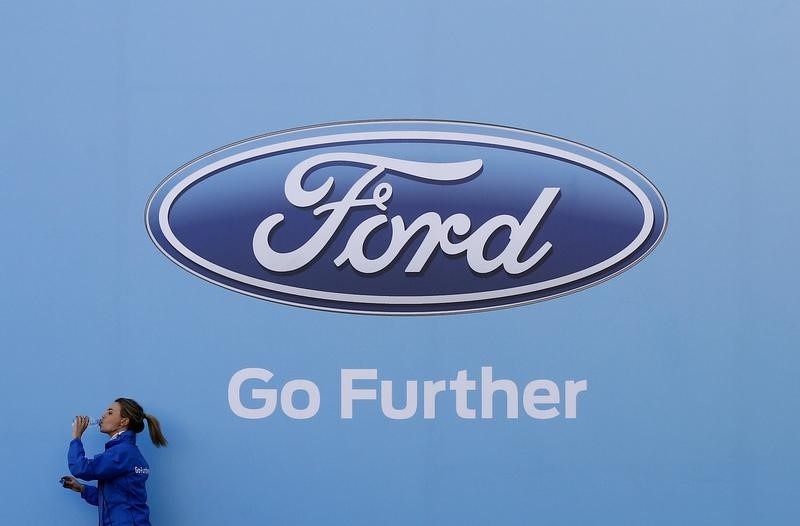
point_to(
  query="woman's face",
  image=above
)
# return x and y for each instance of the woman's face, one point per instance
(112, 422)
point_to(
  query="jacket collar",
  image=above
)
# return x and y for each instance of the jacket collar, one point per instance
(127, 436)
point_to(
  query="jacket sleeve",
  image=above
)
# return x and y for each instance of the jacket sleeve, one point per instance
(109, 464)
(89, 494)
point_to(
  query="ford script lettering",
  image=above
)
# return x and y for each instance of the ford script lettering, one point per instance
(406, 217)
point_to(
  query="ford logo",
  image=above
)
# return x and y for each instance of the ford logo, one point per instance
(406, 217)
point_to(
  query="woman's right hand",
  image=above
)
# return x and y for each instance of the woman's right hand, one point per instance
(72, 483)
(79, 426)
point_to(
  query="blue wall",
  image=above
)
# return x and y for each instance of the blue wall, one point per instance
(690, 356)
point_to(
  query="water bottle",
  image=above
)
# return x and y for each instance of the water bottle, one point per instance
(92, 422)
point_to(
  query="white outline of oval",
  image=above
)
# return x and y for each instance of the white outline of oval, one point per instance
(404, 135)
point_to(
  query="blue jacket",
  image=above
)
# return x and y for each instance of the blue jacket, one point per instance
(121, 472)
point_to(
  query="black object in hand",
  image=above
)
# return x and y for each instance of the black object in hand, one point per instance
(63, 481)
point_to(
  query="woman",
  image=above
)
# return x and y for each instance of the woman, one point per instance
(121, 471)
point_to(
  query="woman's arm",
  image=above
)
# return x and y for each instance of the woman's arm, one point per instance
(89, 494)
(87, 491)
(109, 464)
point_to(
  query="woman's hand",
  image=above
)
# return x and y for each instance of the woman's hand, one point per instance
(80, 425)
(71, 483)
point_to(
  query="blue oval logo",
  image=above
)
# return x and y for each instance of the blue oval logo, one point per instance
(406, 217)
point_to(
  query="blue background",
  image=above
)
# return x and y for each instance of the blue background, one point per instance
(691, 356)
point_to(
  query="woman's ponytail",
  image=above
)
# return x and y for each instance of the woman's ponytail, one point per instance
(131, 410)
(154, 427)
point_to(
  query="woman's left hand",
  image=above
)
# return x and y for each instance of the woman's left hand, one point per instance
(80, 425)
(72, 483)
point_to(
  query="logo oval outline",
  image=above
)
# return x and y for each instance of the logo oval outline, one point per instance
(355, 300)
